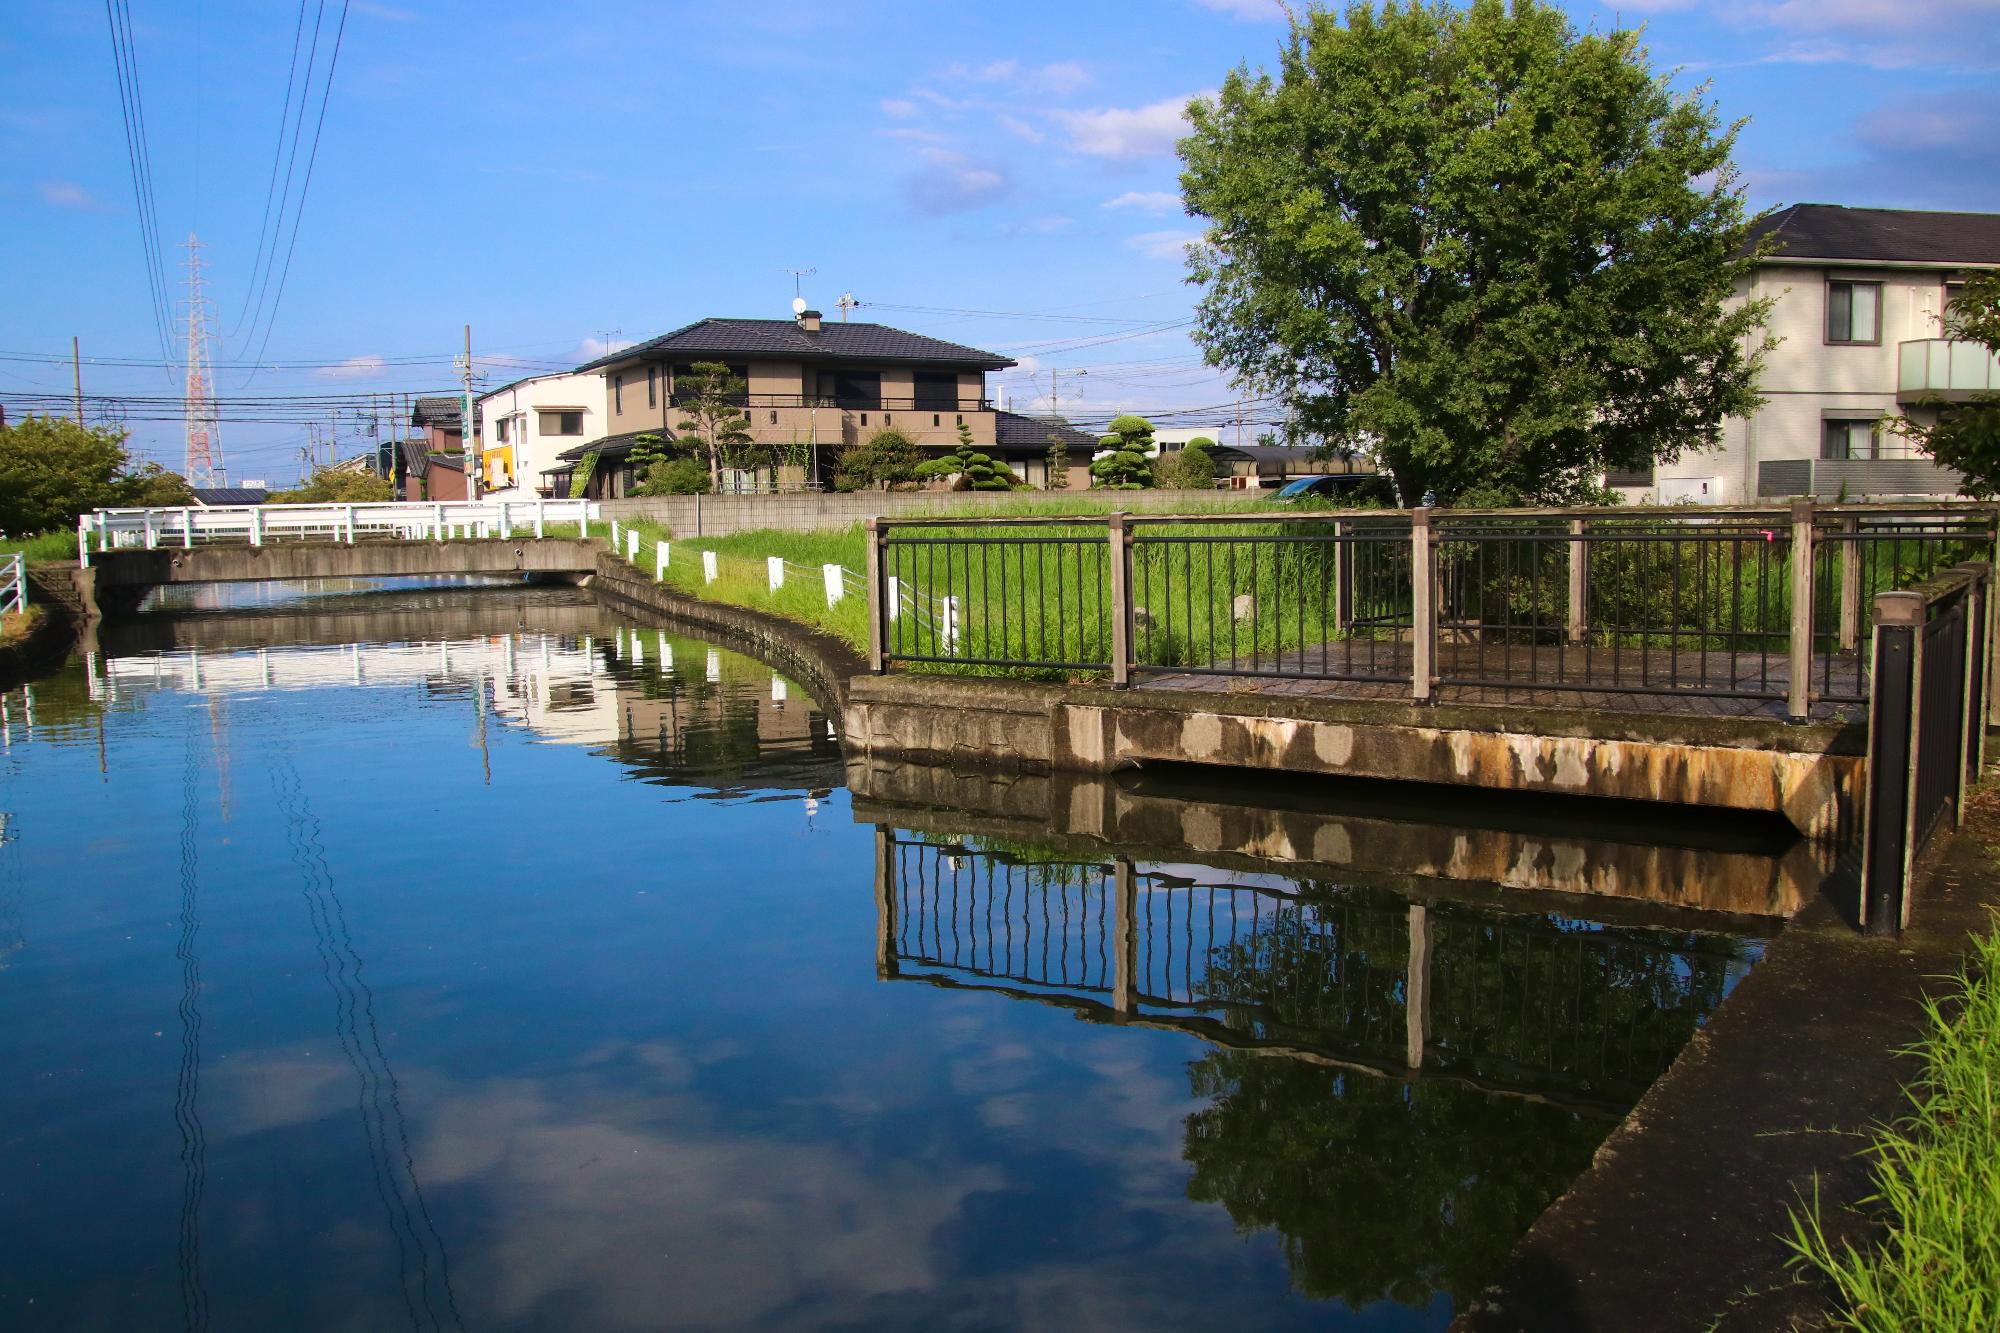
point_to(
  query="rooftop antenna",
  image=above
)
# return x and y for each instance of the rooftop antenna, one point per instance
(798, 276)
(846, 303)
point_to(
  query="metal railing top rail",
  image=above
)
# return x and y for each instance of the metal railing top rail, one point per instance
(1690, 516)
(13, 583)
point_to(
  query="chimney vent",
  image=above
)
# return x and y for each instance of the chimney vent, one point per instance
(809, 320)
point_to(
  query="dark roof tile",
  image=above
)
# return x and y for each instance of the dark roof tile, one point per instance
(783, 339)
(1012, 430)
(1891, 235)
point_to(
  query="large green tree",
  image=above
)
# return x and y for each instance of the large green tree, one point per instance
(52, 470)
(336, 485)
(714, 426)
(1495, 251)
(1966, 435)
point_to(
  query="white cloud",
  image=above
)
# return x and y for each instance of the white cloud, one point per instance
(911, 134)
(1163, 244)
(386, 12)
(1942, 35)
(1146, 201)
(1125, 134)
(67, 194)
(1022, 129)
(1048, 224)
(592, 348)
(952, 183)
(354, 368)
(900, 107)
(1055, 80)
(1255, 11)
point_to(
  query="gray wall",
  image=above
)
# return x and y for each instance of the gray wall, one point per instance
(720, 515)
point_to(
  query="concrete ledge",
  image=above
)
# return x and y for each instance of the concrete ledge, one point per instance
(121, 577)
(1811, 775)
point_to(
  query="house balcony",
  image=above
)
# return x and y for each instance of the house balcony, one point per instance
(873, 403)
(1941, 370)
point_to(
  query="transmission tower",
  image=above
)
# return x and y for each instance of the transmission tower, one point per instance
(204, 434)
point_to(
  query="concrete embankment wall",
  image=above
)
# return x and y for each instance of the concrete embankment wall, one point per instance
(721, 515)
(1809, 774)
(823, 664)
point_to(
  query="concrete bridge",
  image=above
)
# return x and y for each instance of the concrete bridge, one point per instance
(116, 581)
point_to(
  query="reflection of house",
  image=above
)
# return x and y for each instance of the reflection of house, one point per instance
(524, 425)
(1858, 298)
(812, 388)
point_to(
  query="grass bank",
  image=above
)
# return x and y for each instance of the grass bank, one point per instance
(43, 546)
(1937, 1180)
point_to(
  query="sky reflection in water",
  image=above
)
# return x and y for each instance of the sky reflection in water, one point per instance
(539, 977)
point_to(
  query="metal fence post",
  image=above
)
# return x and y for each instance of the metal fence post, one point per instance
(1121, 599)
(1423, 605)
(877, 592)
(1971, 728)
(1850, 585)
(1798, 696)
(1343, 575)
(1890, 806)
(1579, 583)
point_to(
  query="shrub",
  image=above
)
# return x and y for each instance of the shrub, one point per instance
(1129, 464)
(887, 456)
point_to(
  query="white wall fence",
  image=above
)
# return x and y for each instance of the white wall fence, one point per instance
(148, 529)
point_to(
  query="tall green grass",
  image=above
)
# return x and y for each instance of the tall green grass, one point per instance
(1937, 1181)
(43, 546)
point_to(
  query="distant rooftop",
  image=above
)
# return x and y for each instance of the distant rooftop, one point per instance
(1885, 235)
(783, 339)
(208, 497)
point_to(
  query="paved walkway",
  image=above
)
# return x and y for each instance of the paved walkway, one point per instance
(1705, 683)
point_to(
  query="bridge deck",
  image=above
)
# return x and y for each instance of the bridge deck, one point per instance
(1697, 683)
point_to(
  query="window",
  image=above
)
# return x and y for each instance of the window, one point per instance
(864, 418)
(1854, 312)
(936, 389)
(618, 393)
(1863, 439)
(564, 421)
(501, 426)
(652, 393)
(935, 419)
(857, 388)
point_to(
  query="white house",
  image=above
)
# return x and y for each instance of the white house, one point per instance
(1858, 297)
(524, 425)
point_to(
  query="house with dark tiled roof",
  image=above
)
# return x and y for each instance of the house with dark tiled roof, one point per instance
(1859, 298)
(812, 388)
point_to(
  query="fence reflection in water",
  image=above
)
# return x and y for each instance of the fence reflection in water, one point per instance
(1530, 1002)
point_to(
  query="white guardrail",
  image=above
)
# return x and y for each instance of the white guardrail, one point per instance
(13, 584)
(125, 529)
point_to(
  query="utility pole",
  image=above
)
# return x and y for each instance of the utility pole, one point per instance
(468, 434)
(76, 367)
(1055, 379)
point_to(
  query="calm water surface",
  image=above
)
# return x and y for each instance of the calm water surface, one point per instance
(456, 959)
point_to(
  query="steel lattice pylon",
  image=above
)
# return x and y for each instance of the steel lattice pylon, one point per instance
(204, 435)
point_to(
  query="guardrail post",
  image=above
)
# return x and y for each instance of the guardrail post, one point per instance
(350, 525)
(187, 529)
(1423, 605)
(83, 541)
(1798, 696)
(256, 526)
(1125, 938)
(506, 525)
(1121, 599)
(878, 593)
(146, 524)
(1579, 583)
(541, 508)
(1894, 706)
(437, 522)
(1343, 574)
(1850, 584)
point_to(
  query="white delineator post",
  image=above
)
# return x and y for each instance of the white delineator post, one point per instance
(774, 571)
(614, 536)
(836, 583)
(708, 566)
(948, 624)
(895, 598)
(631, 544)
(660, 562)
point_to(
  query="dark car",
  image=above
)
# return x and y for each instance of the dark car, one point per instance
(1342, 487)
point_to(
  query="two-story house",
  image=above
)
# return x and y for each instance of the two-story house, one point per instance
(523, 426)
(813, 388)
(1858, 298)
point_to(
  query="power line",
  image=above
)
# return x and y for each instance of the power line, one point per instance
(277, 153)
(124, 59)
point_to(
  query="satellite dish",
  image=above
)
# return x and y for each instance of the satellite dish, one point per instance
(798, 305)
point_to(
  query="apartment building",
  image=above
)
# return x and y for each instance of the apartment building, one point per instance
(1858, 302)
(812, 388)
(525, 425)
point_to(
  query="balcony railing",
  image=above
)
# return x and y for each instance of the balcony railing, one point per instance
(837, 403)
(1944, 369)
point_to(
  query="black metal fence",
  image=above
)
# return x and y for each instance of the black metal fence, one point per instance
(1770, 607)
(1926, 727)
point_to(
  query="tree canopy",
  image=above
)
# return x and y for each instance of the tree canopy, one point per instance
(1495, 251)
(1129, 464)
(714, 426)
(331, 485)
(52, 469)
(1966, 435)
(885, 457)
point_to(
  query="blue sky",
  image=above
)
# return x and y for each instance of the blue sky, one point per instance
(554, 175)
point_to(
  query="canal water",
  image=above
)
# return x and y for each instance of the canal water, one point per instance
(472, 958)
